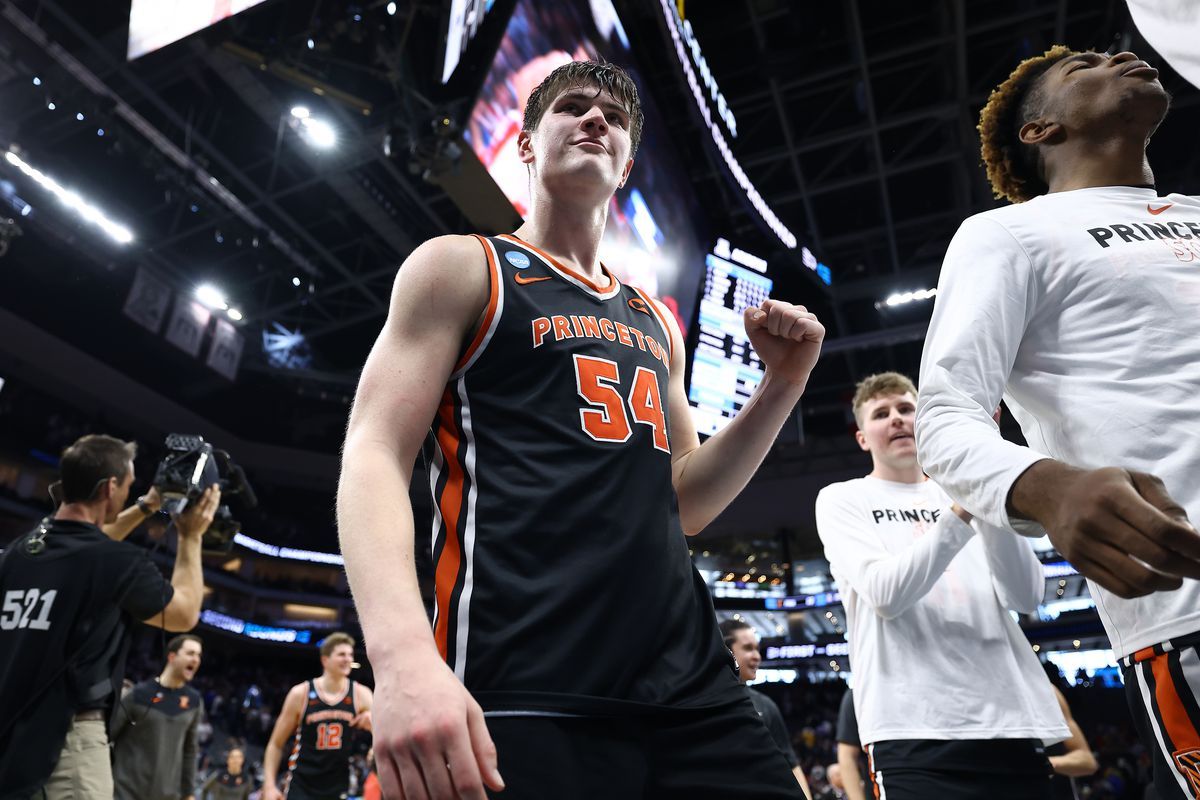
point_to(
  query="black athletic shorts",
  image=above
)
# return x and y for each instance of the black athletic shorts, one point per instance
(1162, 684)
(966, 769)
(297, 791)
(723, 752)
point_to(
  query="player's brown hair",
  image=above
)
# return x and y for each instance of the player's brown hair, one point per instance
(177, 643)
(335, 639)
(1012, 166)
(882, 384)
(729, 629)
(600, 76)
(90, 460)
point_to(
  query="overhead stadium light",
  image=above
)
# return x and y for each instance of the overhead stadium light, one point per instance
(300, 112)
(904, 298)
(234, 314)
(319, 133)
(211, 296)
(73, 200)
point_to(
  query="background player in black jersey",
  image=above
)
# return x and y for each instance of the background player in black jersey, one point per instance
(739, 637)
(318, 719)
(581, 130)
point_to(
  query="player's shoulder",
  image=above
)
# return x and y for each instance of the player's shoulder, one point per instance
(843, 491)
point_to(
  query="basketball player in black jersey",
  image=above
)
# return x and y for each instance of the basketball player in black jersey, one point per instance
(319, 718)
(565, 474)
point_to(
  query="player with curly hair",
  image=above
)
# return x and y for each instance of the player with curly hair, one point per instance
(1078, 305)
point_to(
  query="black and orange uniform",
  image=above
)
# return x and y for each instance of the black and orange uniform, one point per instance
(564, 588)
(1162, 684)
(319, 766)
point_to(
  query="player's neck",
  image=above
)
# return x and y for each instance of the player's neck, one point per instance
(1109, 162)
(333, 685)
(904, 472)
(169, 680)
(571, 232)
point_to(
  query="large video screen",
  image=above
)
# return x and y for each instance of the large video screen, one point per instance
(725, 368)
(654, 239)
(158, 23)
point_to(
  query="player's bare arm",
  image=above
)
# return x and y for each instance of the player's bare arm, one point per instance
(708, 477)
(285, 728)
(430, 736)
(1106, 521)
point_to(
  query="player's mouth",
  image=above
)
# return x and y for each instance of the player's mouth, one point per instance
(591, 144)
(897, 437)
(1139, 69)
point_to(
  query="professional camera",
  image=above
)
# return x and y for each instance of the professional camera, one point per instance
(191, 466)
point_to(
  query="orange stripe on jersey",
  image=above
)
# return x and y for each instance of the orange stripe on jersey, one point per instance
(450, 504)
(489, 315)
(558, 265)
(1145, 654)
(661, 320)
(1174, 715)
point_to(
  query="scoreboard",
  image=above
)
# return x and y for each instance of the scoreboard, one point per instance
(725, 368)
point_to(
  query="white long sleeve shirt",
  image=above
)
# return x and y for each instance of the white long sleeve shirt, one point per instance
(935, 653)
(1082, 309)
(1172, 27)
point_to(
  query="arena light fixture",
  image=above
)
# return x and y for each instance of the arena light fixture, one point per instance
(300, 112)
(391, 9)
(234, 314)
(904, 298)
(211, 296)
(320, 134)
(119, 233)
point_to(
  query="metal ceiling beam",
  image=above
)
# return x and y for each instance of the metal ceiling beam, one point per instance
(860, 52)
(786, 127)
(139, 123)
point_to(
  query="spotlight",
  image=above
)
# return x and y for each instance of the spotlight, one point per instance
(99, 131)
(25, 211)
(51, 106)
(904, 298)
(79, 116)
(311, 44)
(295, 281)
(37, 81)
(210, 296)
(391, 9)
(319, 133)
(300, 112)
(235, 315)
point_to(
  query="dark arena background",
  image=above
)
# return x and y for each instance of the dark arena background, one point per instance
(201, 218)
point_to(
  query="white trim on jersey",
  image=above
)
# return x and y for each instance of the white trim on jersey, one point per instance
(495, 323)
(464, 597)
(613, 292)
(1148, 708)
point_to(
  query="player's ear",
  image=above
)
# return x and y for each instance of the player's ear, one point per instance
(625, 172)
(862, 440)
(525, 147)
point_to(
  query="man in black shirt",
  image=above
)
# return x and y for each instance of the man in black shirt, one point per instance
(849, 748)
(741, 641)
(154, 730)
(68, 594)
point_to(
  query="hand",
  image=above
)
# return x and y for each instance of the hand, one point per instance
(362, 721)
(786, 337)
(271, 792)
(431, 741)
(153, 501)
(198, 515)
(1119, 528)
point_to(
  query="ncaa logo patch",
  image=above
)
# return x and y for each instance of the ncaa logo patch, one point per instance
(518, 260)
(1188, 762)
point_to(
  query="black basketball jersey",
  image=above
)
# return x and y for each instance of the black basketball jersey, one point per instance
(320, 760)
(563, 581)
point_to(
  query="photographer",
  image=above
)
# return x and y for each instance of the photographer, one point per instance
(68, 595)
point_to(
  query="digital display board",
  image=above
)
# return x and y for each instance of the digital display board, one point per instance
(653, 239)
(158, 23)
(725, 368)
